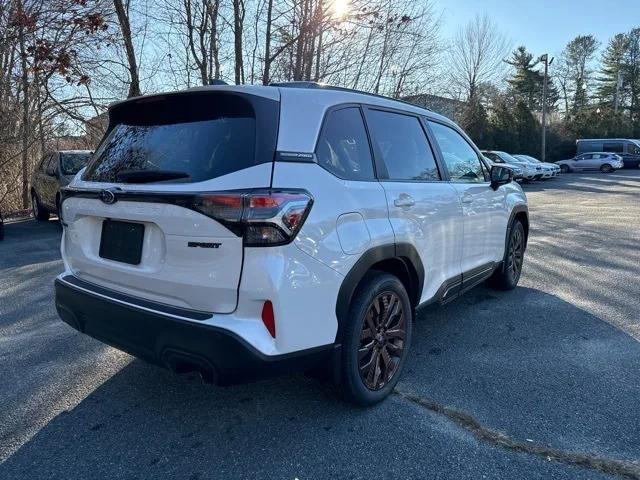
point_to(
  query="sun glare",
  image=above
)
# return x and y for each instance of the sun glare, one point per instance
(340, 8)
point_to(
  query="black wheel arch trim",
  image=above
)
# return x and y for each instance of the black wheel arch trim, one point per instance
(404, 252)
(516, 210)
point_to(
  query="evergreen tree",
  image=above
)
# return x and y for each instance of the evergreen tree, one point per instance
(473, 119)
(525, 130)
(579, 53)
(527, 81)
(631, 78)
(613, 62)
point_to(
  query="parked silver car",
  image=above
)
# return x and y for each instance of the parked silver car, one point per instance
(529, 172)
(605, 162)
(518, 172)
(54, 171)
(549, 169)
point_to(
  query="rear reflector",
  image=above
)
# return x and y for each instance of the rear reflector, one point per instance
(268, 318)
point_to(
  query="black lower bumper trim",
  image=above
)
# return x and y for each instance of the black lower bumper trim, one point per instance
(221, 356)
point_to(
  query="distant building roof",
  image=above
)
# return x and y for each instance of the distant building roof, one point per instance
(448, 107)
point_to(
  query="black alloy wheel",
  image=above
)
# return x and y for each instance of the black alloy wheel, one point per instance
(382, 341)
(376, 339)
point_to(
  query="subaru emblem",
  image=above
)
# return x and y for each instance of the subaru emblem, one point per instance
(108, 196)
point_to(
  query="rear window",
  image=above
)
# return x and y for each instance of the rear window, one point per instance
(198, 136)
(72, 163)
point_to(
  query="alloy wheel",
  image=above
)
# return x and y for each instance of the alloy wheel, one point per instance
(516, 252)
(382, 341)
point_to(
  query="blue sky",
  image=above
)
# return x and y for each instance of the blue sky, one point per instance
(545, 25)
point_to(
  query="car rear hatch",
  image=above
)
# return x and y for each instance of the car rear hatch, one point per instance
(155, 213)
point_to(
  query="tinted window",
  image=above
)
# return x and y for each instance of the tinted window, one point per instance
(200, 134)
(203, 150)
(72, 163)
(403, 146)
(589, 147)
(616, 147)
(461, 159)
(633, 148)
(343, 147)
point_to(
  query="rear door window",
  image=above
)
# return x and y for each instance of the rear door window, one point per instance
(403, 146)
(184, 138)
(343, 147)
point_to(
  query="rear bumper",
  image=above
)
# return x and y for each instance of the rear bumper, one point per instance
(220, 355)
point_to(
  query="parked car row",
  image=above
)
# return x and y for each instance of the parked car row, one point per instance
(525, 168)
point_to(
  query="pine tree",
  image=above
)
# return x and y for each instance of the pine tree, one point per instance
(613, 64)
(631, 77)
(527, 81)
(579, 53)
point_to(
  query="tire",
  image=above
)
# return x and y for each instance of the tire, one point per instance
(39, 213)
(507, 277)
(367, 345)
(564, 169)
(606, 168)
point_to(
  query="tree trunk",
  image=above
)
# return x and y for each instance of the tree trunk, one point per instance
(267, 46)
(125, 28)
(25, 113)
(238, 23)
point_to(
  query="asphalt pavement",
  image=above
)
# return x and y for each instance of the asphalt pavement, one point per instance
(540, 382)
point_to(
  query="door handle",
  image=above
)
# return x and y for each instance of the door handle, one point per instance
(466, 198)
(404, 200)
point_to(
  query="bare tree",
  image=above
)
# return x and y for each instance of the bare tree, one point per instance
(127, 39)
(476, 56)
(238, 29)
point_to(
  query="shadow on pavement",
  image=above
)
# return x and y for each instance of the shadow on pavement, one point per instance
(523, 362)
(28, 242)
(591, 182)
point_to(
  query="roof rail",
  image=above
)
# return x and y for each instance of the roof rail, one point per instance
(324, 86)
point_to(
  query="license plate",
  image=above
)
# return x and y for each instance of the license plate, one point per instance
(122, 241)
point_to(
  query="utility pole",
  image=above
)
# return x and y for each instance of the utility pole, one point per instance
(544, 58)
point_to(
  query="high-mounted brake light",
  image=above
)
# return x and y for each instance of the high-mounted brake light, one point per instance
(261, 217)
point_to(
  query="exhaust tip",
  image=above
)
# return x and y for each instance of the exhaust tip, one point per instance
(181, 362)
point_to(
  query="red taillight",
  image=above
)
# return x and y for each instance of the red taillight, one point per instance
(262, 218)
(268, 318)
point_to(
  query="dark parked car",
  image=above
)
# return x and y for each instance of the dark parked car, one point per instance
(1, 227)
(628, 149)
(54, 171)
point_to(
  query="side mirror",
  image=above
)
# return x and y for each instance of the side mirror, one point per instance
(500, 176)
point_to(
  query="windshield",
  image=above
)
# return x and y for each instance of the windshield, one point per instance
(509, 158)
(634, 148)
(72, 163)
(199, 150)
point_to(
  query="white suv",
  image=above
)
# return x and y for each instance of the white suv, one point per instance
(242, 230)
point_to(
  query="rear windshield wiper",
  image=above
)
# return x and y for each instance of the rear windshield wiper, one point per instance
(148, 176)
